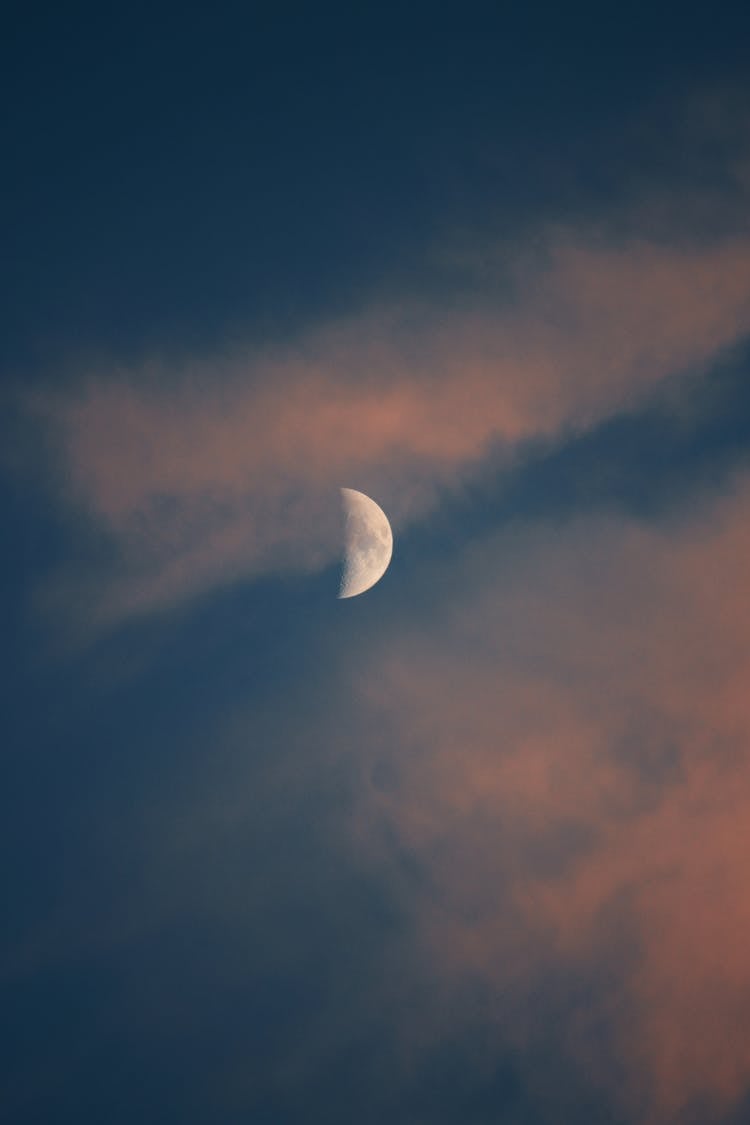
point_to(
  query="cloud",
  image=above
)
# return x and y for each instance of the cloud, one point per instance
(562, 752)
(542, 769)
(187, 479)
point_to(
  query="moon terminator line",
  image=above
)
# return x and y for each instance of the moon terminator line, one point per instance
(368, 543)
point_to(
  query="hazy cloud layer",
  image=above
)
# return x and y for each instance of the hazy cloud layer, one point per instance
(471, 849)
(503, 816)
(194, 477)
(563, 753)
(534, 754)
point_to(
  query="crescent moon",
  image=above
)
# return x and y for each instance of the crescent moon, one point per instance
(368, 543)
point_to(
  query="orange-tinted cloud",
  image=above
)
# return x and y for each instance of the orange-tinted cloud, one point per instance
(198, 477)
(566, 755)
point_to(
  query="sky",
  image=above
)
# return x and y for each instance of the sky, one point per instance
(470, 848)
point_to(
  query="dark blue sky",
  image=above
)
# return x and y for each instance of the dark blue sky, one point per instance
(272, 858)
(175, 175)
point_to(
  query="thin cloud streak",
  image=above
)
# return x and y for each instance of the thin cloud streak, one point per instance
(230, 470)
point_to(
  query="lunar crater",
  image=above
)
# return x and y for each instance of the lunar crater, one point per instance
(368, 543)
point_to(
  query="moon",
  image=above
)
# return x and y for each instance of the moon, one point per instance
(368, 543)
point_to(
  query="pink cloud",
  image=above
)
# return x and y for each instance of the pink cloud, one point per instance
(569, 737)
(200, 476)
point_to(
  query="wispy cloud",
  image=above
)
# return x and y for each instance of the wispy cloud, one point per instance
(196, 477)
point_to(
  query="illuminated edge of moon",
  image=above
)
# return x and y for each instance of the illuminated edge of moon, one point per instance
(360, 572)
